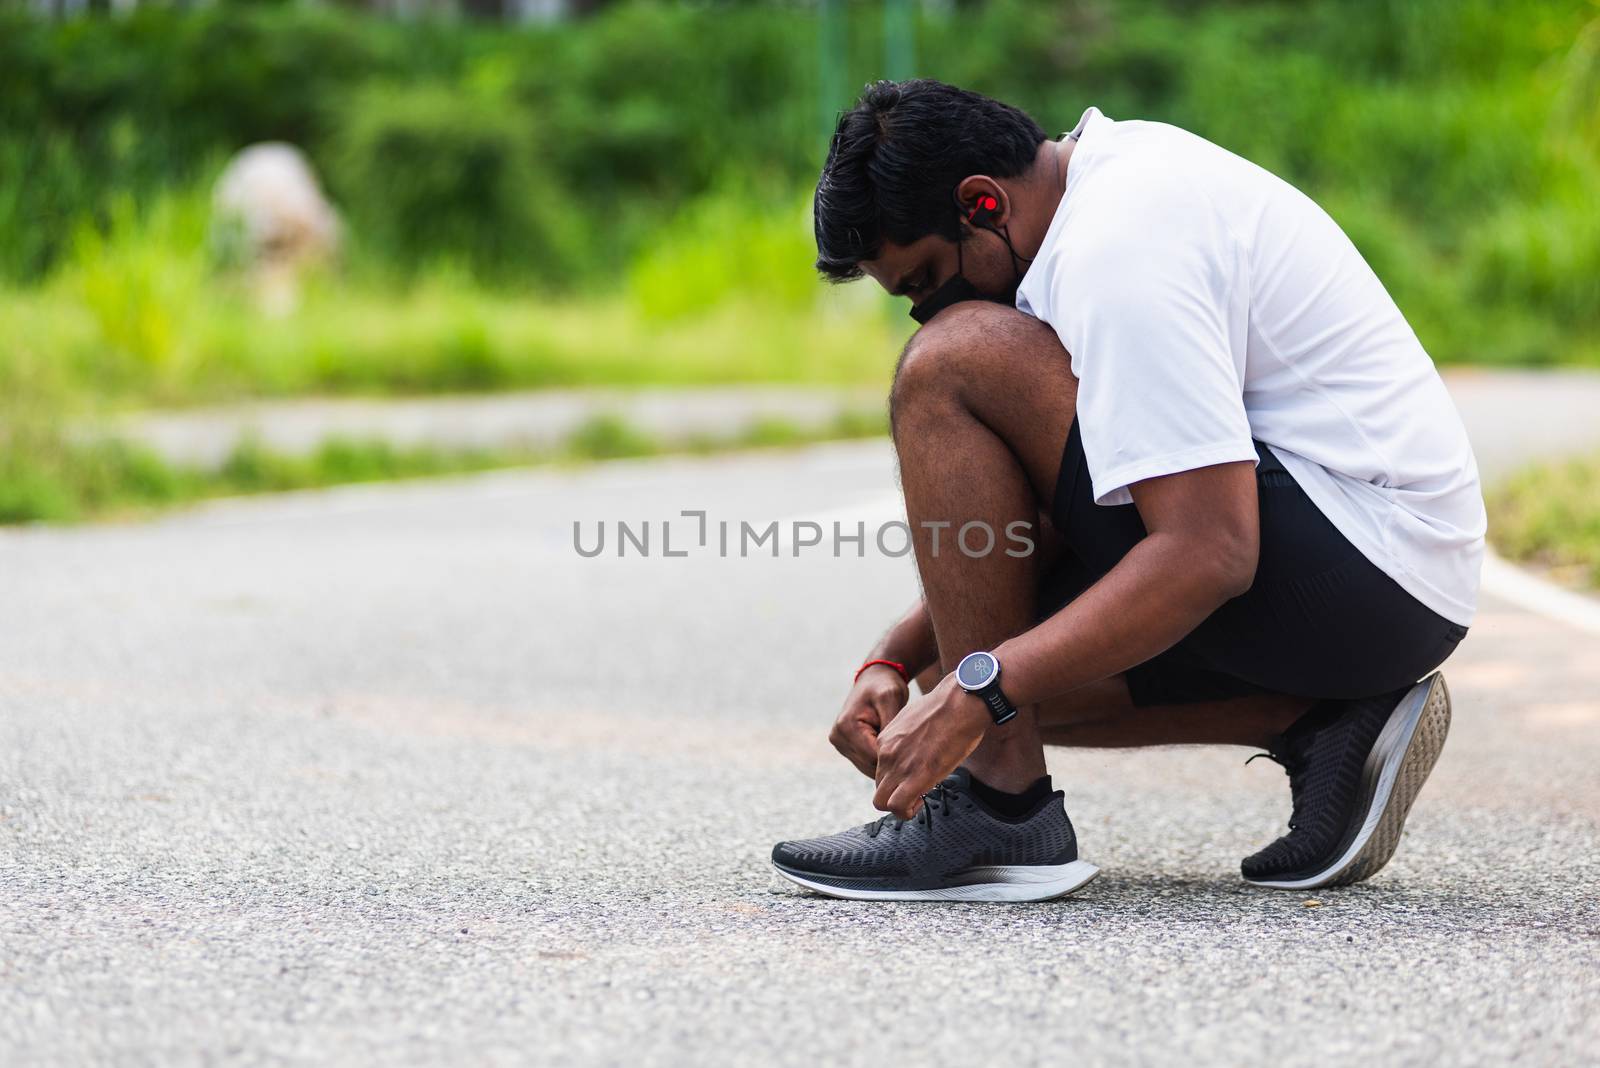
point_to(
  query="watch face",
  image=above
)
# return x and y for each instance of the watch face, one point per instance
(976, 671)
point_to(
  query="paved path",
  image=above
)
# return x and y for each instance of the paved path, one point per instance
(540, 419)
(390, 775)
(1516, 416)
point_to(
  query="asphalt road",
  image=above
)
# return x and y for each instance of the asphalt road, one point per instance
(394, 775)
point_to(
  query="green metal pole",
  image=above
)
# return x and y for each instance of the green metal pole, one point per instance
(899, 39)
(830, 64)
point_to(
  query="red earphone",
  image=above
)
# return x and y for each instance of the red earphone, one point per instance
(980, 214)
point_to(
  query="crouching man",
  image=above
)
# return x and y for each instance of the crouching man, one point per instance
(1263, 515)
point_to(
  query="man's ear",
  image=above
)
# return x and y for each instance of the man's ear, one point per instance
(982, 202)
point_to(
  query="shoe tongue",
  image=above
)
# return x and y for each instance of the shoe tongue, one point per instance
(1298, 738)
(959, 780)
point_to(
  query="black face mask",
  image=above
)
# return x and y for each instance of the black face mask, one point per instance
(957, 288)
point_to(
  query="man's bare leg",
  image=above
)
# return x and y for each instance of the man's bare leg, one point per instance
(982, 403)
(1103, 715)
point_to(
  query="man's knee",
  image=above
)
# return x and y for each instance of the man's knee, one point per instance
(960, 347)
(968, 347)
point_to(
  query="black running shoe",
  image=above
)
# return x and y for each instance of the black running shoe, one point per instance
(954, 849)
(1354, 769)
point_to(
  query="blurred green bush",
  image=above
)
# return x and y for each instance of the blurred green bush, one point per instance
(1549, 515)
(655, 154)
(433, 171)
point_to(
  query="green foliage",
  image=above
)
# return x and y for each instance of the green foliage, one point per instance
(94, 108)
(667, 143)
(727, 246)
(49, 477)
(609, 437)
(252, 467)
(141, 279)
(1550, 515)
(861, 423)
(602, 126)
(622, 200)
(429, 172)
(439, 332)
(774, 431)
(646, 172)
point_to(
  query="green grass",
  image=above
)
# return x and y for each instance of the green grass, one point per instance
(1549, 515)
(47, 477)
(433, 338)
(141, 315)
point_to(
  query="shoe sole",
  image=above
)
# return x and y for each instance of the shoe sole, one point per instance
(1040, 882)
(1395, 770)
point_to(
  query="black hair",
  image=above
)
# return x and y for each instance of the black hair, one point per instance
(896, 159)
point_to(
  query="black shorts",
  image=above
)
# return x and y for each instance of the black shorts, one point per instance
(1320, 620)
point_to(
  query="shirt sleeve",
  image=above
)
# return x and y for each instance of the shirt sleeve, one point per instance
(1154, 323)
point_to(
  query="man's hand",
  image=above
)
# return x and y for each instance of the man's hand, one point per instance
(872, 703)
(926, 742)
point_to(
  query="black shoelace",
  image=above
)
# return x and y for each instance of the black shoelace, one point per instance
(1297, 774)
(940, 799)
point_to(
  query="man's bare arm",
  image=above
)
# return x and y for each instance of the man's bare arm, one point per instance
(909, 641)
(1201, 551)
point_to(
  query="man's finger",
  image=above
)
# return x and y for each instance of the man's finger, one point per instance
(865, 742)
(887, 781)
(866, 762)
(905, 800)
(860, 746)
(896, 793)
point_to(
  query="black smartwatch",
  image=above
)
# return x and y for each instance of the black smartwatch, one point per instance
(979, 674)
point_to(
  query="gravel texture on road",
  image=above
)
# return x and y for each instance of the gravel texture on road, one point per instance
(394, 775)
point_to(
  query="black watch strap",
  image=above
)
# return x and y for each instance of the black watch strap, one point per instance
(1000, 709)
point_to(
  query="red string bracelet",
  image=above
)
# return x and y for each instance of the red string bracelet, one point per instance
(900, 668)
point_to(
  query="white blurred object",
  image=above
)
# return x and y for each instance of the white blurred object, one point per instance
(270, 215)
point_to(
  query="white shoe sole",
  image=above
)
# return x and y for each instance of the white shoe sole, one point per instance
(1396, 768)
(1039, 882)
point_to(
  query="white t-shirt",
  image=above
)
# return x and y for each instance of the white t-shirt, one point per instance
(1206, 302)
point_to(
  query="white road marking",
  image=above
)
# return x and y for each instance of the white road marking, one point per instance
(1540, 596)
